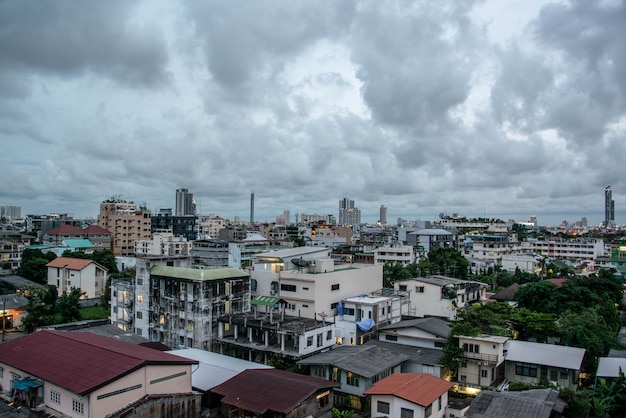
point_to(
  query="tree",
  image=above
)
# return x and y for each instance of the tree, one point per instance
(348, 413)
(40, 309)
(33, 265)
(446, 261)
(68, 305)
(539, 296)
(394, 271)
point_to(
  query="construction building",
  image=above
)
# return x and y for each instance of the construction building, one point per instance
(126, 224)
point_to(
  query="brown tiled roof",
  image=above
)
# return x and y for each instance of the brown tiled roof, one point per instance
(80, 362)
(262, 390)
(507, 293)
(95, 230)
(64, 230)
(420, 388)
(69, 263)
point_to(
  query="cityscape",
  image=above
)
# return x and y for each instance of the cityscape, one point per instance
(354, 209)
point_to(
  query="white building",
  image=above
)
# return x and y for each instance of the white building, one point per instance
(482, 363)
(399, 253)
(426, 240)
(86, 275)
(163, 243)
(574, 250)
(440, 296)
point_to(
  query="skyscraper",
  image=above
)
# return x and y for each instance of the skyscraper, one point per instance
(185, 203)
(348, 214)
(383, 215)
(609, 207)
(252, 207)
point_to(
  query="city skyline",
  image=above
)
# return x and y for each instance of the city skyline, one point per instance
(478, 108)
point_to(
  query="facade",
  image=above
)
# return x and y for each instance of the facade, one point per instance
(184, 303)
(80, 374)
(126, 224)
(440, 296)
(482, 361)
(185, 203)
(11, 212)
(409, 395)
(163, 243)
(382, 218)
(209, 227)
(64, 232)
(99, 237)
(266, 331)
(533, 362)
(396, 253)
(86, 275)
(573, 250)
(349, 215)
(426, 240)
(10, 253)
(609, 207)
(211, 253)
(184, 225)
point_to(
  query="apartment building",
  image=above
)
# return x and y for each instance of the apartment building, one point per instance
(163, 242)
(66, 273)
(572, 250)
(426, 240)
(396, 253)
(126, 224)
(482, 363)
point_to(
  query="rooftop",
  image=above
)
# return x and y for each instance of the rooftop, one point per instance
(420, 388)
(435, 326)
(198, 274)
(544, 354)
(70, 263)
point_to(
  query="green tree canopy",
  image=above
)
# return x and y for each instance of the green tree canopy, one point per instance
(68, 305)
(33, 265)
(445, 261)
(40, 309)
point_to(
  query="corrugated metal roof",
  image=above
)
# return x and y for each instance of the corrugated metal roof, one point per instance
(264, 300)
(544, 354)
(536, 403)
(78, 243)
(434, 326)
(364, 360)
(80, 362)
(418, 355)
(198, 274)
(611, 366)
(262, 390)
(420, 388)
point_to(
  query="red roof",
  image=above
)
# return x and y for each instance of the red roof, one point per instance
(70, 263)
(557, 282)
(262, 390)
(80, 361)
(95, 230)
(65, 230)
(420, 388)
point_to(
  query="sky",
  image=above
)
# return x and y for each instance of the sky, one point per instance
(479, 108)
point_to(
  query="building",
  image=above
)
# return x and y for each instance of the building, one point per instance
(99, 237)
(209, 227)
(382, 218)
(266, 332)
(416, 395)
(441, 296)
(179, 225)
(12, 309)
(251, 208)
(11, 212)
(184, 303)
(356, 368)
(64, 232)
(482, 363)
(349, 215)
(395, 253)
(10, 253)
(275, 393)
(185, 203)
(426, 240)
(533, 362)
(618, 256)
(576, 250)
(81, 374)
(609, 207)
(164, 242)
(66, 273)
(126, 224)
(536, 403)
(211, 253)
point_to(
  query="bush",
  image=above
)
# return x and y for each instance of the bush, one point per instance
(517, 386)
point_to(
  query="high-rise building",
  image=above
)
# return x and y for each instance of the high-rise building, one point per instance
(383, 215)
(11, 212)
(609, 207)
(126, 224)
(252, 207)
(348, 213)
(185, 203)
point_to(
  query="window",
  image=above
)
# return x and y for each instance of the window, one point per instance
(564, 375)
(139, 282)
(319, 371)
(391, 337)
(382, 407)
(323, 399)
(352, 379)
(139, 298)
(526, 369)
(484, 373)
(320, 339)
(335, 374)
(428, 411)
(419, 289)
(348, 311)
(438, 344)
(402, 288)
(329, 335)
(334, 305)
(439, 404)
(334, 286)
(554, 375)
(291, 306)
(305, 288)
(253, 285)
(77, 406)
(309, 341)
(288, 287)
(408, 413)
(55, 397)
(472, 348)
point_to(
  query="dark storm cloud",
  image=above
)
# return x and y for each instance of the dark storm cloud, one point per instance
(66, 38)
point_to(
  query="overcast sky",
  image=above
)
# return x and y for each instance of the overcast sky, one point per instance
(504, 109)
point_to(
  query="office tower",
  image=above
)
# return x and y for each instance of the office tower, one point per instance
(185, 203)
(252, 207)
(348, 214)
(383, 215)
(609, 207)
(287, 215)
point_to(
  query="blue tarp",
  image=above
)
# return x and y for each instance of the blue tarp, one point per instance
(365, 324)
(25, 384)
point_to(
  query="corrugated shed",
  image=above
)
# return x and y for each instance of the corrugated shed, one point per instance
(262, 390)
(420, 388)
(79, 361)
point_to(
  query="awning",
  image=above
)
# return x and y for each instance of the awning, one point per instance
(264, 300)
(25, 384)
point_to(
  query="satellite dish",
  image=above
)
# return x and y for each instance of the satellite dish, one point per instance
(299, 262)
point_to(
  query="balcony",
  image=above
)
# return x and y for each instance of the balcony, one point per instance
(483, 359)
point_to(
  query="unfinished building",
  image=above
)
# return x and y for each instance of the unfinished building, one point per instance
(185, 303)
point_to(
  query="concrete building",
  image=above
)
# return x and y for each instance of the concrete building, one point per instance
(163, 243)
(482, 363)
(396, 253)
(426, 240)
(182, 225)
(609, 207)
(66, 273)
(573, 251)
(126, 224)
(185, 203)
(441, 296)
(209, 227)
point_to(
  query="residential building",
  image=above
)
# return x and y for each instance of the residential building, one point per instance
(126, 224)
(80, 374)
(533, 362)
(99, 237)
(164, 242)
(179, 225)
(357, 368)
(482, 363)
(360, 317)
(382, 218)
(10, 253)
(441, 296)
(211, 253)
(527, 263)
(11, 212)
(618, 256)
(575, 250)
(266, 331)
(184, 303)
(12, 311)
(63, 232)
(66, 273)
(536, 403)
(610, 368)
(395, 253)
(349, 215)
(426, 240)
(275, 393)
(185, 203)
(209, 227)
(409, 395)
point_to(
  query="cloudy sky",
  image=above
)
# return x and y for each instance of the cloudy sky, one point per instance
(504, 109)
